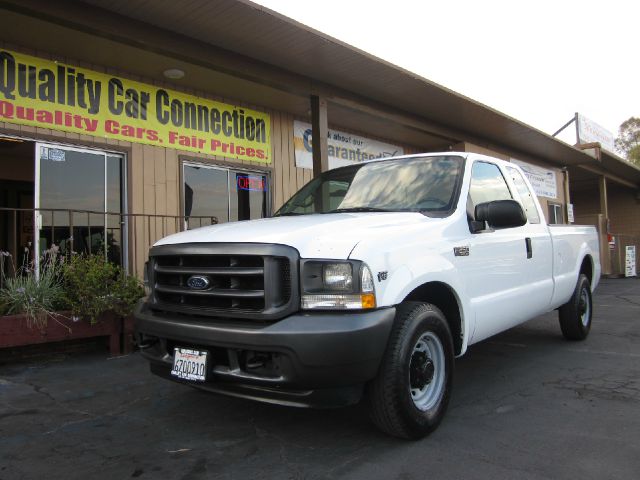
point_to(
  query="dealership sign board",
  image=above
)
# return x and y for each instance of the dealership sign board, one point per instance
(48, 94)
(590, 132)
(542, 180)
(344, 148)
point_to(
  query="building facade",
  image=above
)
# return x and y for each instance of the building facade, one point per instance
(119, 125)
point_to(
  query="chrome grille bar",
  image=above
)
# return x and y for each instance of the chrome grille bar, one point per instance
(239, 271)
(213, 292)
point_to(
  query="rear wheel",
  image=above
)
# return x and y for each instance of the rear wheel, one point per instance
(575, 315)
(409, 396)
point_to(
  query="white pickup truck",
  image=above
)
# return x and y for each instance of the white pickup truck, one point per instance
(366, 283)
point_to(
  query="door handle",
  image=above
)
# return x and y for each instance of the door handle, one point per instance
(527, 242)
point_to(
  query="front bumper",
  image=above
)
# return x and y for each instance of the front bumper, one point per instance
(305, 359)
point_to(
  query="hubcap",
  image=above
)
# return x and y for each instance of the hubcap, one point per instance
(584, 309)
(427, 372)
(422, 370)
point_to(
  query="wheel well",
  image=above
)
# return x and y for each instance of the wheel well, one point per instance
(442, 296)
(587, 268)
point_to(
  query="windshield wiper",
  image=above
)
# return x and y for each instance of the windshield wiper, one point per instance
(289, 214)
(360, 209)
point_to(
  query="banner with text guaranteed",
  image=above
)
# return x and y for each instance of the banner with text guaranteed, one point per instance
(48, 94)
(542, 180)
(344, 148)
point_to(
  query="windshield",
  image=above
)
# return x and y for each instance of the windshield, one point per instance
(420, 184)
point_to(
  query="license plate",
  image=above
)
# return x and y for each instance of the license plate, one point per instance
(189, 364)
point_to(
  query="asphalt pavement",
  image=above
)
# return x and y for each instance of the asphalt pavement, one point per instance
(526, 405)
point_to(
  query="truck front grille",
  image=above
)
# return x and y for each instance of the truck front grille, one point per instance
(230, 280)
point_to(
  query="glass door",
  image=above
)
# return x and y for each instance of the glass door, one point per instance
(79, 194)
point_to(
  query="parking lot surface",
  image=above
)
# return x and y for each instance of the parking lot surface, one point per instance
(526, 404)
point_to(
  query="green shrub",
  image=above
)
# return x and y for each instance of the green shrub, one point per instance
(94, 286)
(36, 298)
(127, 291)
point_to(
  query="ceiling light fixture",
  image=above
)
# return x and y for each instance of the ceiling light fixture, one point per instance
(173, 73)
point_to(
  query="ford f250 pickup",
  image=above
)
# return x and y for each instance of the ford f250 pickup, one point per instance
(367, 283)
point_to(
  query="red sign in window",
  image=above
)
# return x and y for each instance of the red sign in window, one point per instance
(252, 183)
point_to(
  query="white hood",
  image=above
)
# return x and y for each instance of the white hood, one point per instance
(314, 236)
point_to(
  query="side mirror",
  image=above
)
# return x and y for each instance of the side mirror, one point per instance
(501, 214)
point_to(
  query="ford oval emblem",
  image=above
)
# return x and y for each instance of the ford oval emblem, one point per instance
(198, 282)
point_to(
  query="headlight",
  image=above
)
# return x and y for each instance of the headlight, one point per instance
(331, 285)
(337, 276)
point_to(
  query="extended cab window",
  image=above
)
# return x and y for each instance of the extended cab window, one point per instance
(487, 184)
(528, 203)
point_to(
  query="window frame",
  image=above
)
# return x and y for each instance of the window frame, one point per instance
(557, 208)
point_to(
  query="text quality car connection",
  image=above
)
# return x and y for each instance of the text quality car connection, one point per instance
(128, 110)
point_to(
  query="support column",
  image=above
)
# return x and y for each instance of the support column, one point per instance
(605, 251)
(604, 205)
(567, 193)
(319, 132)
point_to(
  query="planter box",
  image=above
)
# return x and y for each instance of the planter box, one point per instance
(128, 335)
(15, 331)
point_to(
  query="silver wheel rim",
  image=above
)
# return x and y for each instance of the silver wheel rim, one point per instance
(584, 307)
(427, 372)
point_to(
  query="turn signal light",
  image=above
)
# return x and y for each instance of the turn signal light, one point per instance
(368, 300)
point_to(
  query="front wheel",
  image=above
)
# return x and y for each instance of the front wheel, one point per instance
(575, 315)
(409, 396)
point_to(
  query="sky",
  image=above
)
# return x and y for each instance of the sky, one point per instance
(539, 62)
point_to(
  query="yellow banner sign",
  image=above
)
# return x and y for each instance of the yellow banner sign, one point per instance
(48, 94)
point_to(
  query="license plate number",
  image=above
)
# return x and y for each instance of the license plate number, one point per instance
(189, 364)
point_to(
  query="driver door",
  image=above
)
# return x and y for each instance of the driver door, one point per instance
(493, 271)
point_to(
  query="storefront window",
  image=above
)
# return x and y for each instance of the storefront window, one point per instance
(555, 214)
(80, 198)
(206, 194)
(248, 199)
(216, 194)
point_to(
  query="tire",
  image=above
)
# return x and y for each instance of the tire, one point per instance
(409, 396)
(575, 315)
